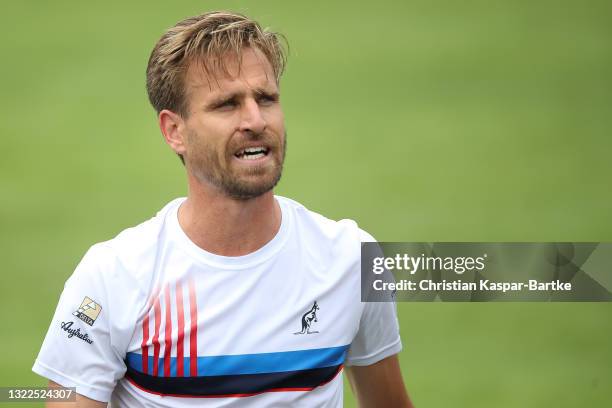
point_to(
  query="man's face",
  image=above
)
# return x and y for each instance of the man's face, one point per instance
(235, 131)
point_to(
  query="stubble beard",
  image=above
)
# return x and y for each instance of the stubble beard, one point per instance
(207, 168)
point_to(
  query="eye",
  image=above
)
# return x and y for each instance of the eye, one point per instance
(227, 104)
(267, 99)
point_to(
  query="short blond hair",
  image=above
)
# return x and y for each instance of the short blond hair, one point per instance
(205, 39)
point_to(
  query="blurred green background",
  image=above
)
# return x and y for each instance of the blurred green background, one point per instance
(422, 120)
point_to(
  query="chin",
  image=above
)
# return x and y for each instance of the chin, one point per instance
(245, 190)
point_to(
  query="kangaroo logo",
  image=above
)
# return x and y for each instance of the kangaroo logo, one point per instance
(308, 318)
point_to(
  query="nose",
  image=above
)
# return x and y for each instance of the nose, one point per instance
(252, 119)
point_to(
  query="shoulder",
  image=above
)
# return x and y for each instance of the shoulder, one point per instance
(305, 218)
(127, 259)
(342, 237)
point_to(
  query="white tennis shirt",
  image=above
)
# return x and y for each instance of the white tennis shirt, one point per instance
(150, 319)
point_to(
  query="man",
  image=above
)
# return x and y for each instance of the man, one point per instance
(232, 296)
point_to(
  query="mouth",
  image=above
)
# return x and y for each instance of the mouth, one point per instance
(252, 153)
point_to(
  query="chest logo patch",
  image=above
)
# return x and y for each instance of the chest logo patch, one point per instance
(308, 318)
(88, 311)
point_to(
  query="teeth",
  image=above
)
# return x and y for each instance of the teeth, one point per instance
(254, 149)
(252, 153)
(253, 156)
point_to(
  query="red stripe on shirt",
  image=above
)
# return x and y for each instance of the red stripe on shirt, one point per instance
(180, 317)
(157, 309)
(168, 337)
(193, 331)
(145, 334)
(144, 346)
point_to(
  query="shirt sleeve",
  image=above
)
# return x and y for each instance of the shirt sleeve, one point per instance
(81, 348)
(378, 336)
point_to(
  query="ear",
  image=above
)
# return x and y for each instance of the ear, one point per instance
(172, 127)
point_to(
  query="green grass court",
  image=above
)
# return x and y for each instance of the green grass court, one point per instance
(421, 120)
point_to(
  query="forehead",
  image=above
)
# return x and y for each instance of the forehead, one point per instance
(252, 71)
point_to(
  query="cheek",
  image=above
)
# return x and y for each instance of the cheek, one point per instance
(208, 138)
(276, 121)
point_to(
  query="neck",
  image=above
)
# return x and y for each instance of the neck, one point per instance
(225, 226)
